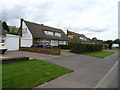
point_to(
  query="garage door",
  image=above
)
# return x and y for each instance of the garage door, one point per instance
(12, 42)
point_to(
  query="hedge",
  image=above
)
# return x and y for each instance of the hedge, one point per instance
(82, 47)
(69, 46)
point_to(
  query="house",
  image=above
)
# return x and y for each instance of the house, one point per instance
(75, 37)
(95, 40)
(32, 33)
(115, 46)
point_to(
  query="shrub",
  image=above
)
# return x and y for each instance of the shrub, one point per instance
(105, 45)
(110, 42)
(82, 47)
(69, 46)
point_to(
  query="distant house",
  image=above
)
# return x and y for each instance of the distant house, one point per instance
(76, 37)
(95, 40)
(115, 45)
(32, 33)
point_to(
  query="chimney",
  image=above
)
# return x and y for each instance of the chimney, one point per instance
(20, 28)
(67, 32)
(21, 22)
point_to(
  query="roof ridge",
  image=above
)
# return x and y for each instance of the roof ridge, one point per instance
(41, 25)
(76, 33)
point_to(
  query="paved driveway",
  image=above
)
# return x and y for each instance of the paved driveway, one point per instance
(33, 55)
(88, 71)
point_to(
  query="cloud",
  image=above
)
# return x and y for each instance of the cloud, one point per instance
(99, 16)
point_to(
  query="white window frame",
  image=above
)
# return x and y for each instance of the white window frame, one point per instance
(54, 42)
(48, 32)
(63, 42)
(24, 30)
(82, 38)
(70, 36)
(58, 34)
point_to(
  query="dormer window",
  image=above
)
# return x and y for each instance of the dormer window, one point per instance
(82, 38)
(57, 34)
(70, 36)
(48, 33)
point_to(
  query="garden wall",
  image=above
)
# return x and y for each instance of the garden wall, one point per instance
(53, 51)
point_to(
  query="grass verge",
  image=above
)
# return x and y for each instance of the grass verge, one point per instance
(65, 50)
(99, 54)
(116, 49)
(31, 73)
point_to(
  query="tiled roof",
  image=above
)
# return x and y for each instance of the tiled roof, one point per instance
(37, 31)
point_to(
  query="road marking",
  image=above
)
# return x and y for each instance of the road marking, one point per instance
(101, 81)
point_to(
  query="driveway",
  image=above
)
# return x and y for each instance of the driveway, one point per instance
(33, 55)
(88, 71)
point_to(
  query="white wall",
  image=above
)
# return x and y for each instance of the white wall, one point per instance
(26, 39)
(12, 42)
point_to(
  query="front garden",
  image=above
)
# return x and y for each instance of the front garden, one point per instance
(31, 73)
(87, 49)
(99, 54)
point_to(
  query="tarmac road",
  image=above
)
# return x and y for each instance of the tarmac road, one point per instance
(111, 78)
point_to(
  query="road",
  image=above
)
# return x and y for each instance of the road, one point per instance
(111, 78)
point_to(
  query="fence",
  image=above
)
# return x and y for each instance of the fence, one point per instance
(53, 51)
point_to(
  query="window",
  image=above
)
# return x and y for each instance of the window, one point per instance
(82, 38)
(24, 30)
(45, 41)
(57, 34)
(54, 42)
(70, 36)
(48, 32)
(63, 42)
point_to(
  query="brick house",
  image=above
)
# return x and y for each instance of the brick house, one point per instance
(95, 40)
(32, 33)
(76, 37)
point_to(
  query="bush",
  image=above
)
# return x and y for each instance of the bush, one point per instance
(110, 42)
(105, 45)
(69, 46)
(65, 47)
(81, 48)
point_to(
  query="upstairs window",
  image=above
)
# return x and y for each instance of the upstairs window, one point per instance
(70, 36)
(57, 34)
(24, 30)
(82, 38)
(48, 32)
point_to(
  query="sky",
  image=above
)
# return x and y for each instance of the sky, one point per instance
(93, 18)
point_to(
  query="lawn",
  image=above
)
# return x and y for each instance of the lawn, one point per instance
(115, 49)
(65, 50)
(31, 73)
(99, 54)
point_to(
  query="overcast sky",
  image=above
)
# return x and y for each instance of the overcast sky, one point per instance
(93, 18)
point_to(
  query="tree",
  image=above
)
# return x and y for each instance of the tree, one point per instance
(110, 42)
(116, 41)
(5, 26)
(13, 29)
